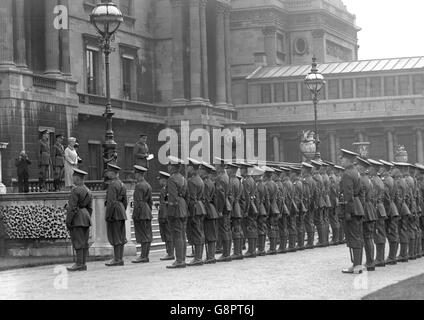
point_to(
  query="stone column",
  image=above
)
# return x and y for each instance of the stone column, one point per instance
(390, 145)
(221, 91)
(52, 40)
(204, 39)
(6, 31)
(195, 53)
(270, 45)
(420, 150)
(20, 34)
(333, 148)
(64, 38)
(228, 54)
(177, 56)
(276, 144)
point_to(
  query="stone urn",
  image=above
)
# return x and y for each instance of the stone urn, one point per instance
(362, 149)
(307, 145)
(401, 155)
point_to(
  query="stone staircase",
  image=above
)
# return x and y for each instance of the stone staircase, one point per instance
(157, 244)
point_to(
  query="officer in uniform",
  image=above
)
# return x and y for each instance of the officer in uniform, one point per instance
(301, 208)
(401, 201)
(223, 206)
(141, 152)
(340, 204)
(320, 203)
(196, 210)
(418, 201)
(370, 218)
(210, 222)
(309, 198)
(234, 195)
(44, 160)
(285, 209)
(412, 205)
(142, 214)
(420, 187)
(392, 221)
(354, 212)
(262, 200)
(78, 219)
(116, 205)
(327, 206)
(58, 163)
(333, 197)
(164, 227)
(272, 209)
(177, 211)
(378, 203)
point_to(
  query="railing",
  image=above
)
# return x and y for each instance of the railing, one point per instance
(44, 82)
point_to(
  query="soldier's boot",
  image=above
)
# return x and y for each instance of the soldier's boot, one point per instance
(219, 248)
(144, 255)
(237, 250)
(261, 245)
(192, 254)
(292, 243)
(79, 265)
(341, 235)
(283, 245)
(251, 250)
(391, 259)
(320, 242)
(116, 258)
(403, 254)
(369, 253)
(356, 268)
(243, 244)
(272, 246)
(418, 248)
(179, 254)
(198, 253)
(211, 249)
(300, 241)
(379, 261)
(169, 252)
(411, 250)
(310, 241)
(226, 250)
(84, 257)
(335, 238)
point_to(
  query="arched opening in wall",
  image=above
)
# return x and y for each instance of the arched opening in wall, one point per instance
(211, 48)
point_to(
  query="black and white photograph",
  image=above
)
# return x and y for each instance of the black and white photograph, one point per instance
(211, 154)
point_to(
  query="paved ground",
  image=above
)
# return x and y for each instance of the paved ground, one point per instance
(313, 274)
(412, 288)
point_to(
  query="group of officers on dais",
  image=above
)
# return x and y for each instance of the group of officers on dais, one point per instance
(237, 204)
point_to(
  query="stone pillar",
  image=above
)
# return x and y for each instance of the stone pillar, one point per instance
(66, 54)
(333, 148)
(204, 39)
(318, 45)
(20, 34)
(6, 31)
(221, 91)
(276, 144)
(282, 154)
(177, 56)
(390, 145)
(195, 53)
(420, 150)
(270, 33)
(52, 40)
(228, 54)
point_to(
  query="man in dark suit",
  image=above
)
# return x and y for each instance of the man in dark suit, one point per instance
(22, 164)
(58, 162)
(142, 214)
(78, 219)
(116, 205)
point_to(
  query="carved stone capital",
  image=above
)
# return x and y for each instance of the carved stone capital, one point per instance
(318, 33)
(269, 30)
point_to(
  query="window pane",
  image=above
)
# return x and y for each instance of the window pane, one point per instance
(418, 81)
(266, 93)
(125, 7)
(126, 71)
(333, 89)
(91, 71)
(389, 86)
(306, 94)
(403, 85)
(361, 87)
(279, 92)
(292, 91)
(375, 84)
(347, 88)
(94, 162)
(129, 158)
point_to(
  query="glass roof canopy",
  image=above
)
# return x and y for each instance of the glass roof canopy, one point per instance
(375, 65)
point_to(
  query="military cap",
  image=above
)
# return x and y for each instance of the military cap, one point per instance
(78, 172)
(113, 167)
(219, 160)
(419, 166)
(386, 163)
(276, 169)
(208, 167)
(401, 164)
(163, 174)
(349, 154)
(59, 135)
(363, 162)
(193, 162)
(339, 167)
(324, 164)
(329, 163)
(295, 169)
(175, 161)
(242, 163)
(413, 166)
(45, 131)
(140, 169)
(307, 165)
(143, 135)
(316, 164)
(374, 162)
(256, 171)
(267, 169)
(232, 165)
(287, 169)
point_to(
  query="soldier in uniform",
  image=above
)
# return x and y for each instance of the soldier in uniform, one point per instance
(234, 195)
(309, 198)
(370, 218)
(210, 222)
(412, 205)
(273, 211)
(223, 206)
(320, 203)
(287, 190)
(401, 201)
(340, 204)
(262, 200)
(418, 201)
(298, 196)
(378, 203)
(354, 212)
(420, 187)
(58, 163)
(333, 197)
(327, 206)
(116, 205)
(141, 152)
(164, 227)
(44, 160)
(78, 219)
(177, 210)
(196, 210)
(142, 214)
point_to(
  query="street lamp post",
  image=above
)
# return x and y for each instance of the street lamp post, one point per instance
(106, 18)
(314, 81)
